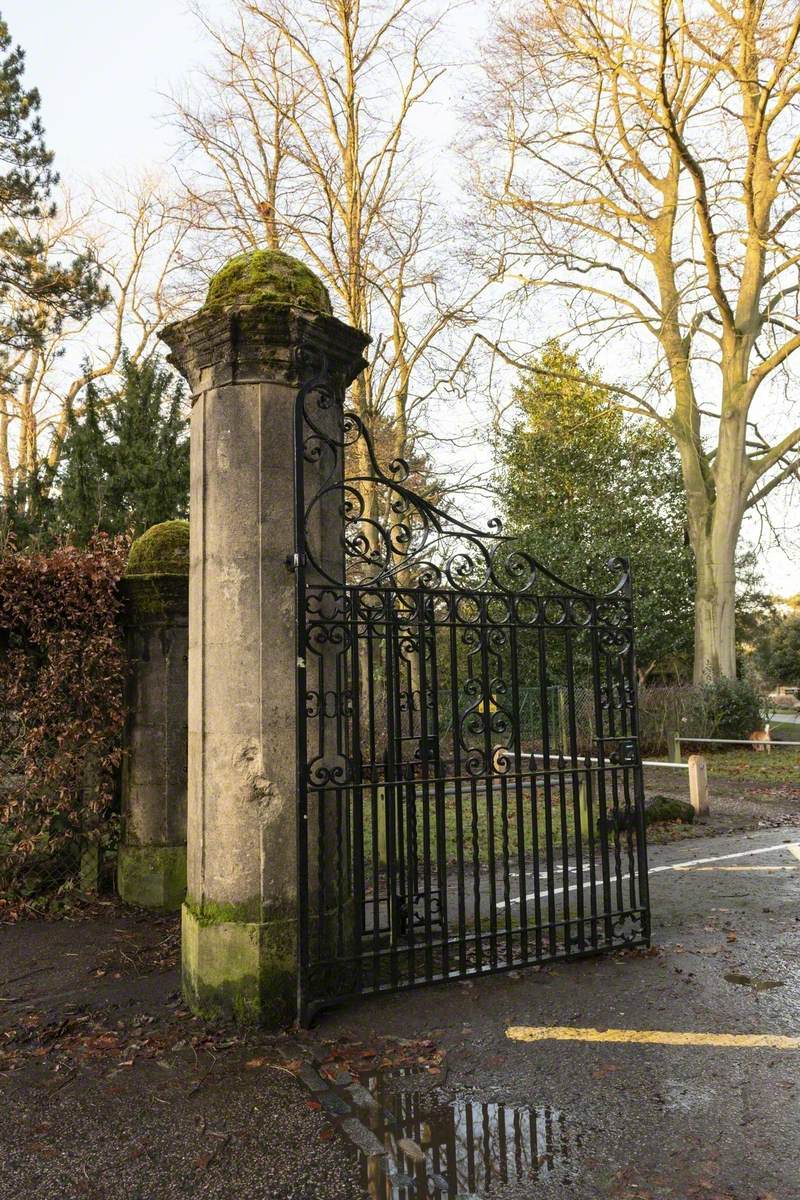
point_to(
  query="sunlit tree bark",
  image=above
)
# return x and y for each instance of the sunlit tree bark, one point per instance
(646, 167)
(134, 233)
(299, 137)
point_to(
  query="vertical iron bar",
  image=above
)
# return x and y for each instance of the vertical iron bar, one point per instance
(357, 792)
(518, 790)
(562, 807)
(438, 787)
(458, 799)
(576, 808)
(612, 729)
(638, 778)
(547, 786)
(488, 768)
(601, 772)
(590, 826)
(535, 852)
(424, 735)
(393, 842)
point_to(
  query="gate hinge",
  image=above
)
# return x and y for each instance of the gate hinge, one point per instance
(293, 561)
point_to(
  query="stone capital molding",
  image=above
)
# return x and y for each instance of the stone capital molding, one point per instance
(262, 343)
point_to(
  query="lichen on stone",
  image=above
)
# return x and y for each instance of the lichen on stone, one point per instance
(152, 876)
(267, 277)
(161, 550)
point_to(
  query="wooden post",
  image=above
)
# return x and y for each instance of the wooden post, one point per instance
(698, 785)
(563, 726)
(583, 809)
(383, 853)
(676, 747)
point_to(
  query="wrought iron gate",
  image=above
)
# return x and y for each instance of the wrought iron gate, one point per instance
(445, 828)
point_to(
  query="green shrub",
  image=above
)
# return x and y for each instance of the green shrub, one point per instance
(729, 708)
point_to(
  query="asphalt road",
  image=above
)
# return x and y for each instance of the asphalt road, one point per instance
(680, 1118)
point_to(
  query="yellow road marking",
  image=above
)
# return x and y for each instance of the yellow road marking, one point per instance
(786, 867)
(794, 849)
(656, 1037)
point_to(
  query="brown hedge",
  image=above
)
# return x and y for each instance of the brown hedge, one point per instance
(62, 667)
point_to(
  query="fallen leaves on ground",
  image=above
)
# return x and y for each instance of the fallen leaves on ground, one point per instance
(85, 1039)
(380, 1054)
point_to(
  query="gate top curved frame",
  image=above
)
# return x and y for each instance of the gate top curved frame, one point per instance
(394, 596)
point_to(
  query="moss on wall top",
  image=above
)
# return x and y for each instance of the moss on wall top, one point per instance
(267, 277)
(161, 550)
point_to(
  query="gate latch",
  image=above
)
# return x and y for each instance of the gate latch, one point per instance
(626, 753)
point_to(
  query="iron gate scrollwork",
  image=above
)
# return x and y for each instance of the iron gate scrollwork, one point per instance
(470, 786)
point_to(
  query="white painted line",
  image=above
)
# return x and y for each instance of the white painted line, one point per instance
(694, 862)
(740, 867)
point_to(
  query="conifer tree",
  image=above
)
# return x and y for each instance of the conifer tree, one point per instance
(125, 460)
(34, 295)
(580, 483)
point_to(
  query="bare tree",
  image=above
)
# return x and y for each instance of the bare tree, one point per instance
(135, 235)
(645, 167)
(299, 138)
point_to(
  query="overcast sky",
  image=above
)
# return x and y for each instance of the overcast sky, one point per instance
(100, 66)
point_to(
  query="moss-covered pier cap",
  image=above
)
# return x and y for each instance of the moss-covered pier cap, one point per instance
(161, 550)
(156, 579)
(260, 308)
(267, 277)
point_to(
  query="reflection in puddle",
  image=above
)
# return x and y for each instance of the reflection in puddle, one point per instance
(461, 1147)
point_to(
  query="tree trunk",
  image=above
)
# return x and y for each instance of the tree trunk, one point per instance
(714, 618)
(6, 473)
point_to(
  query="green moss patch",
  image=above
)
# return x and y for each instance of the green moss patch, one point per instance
(152, 876)
(156, 598)
(161, 550)
(267, 277)
(239, 969)
(212, 912)
(668, 808)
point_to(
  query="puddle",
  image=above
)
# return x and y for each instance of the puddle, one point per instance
(464, 1147)
(760, 985)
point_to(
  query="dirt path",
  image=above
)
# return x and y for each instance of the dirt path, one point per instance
(110, 1089)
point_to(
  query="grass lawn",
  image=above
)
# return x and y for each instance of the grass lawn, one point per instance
(781, 765)
(482, 824)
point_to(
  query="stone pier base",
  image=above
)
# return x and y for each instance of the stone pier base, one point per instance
(239, 968)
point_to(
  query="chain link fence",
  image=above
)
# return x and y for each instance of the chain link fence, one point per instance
(50, 864)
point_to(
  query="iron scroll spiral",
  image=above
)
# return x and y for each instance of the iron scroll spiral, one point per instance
(390, 534)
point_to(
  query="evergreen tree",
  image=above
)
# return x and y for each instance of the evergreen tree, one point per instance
(125, 459)
(778, 649)
(34, 294)
(581, 483)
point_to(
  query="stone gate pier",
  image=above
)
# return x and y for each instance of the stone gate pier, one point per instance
(151, 869)
(266, 322)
